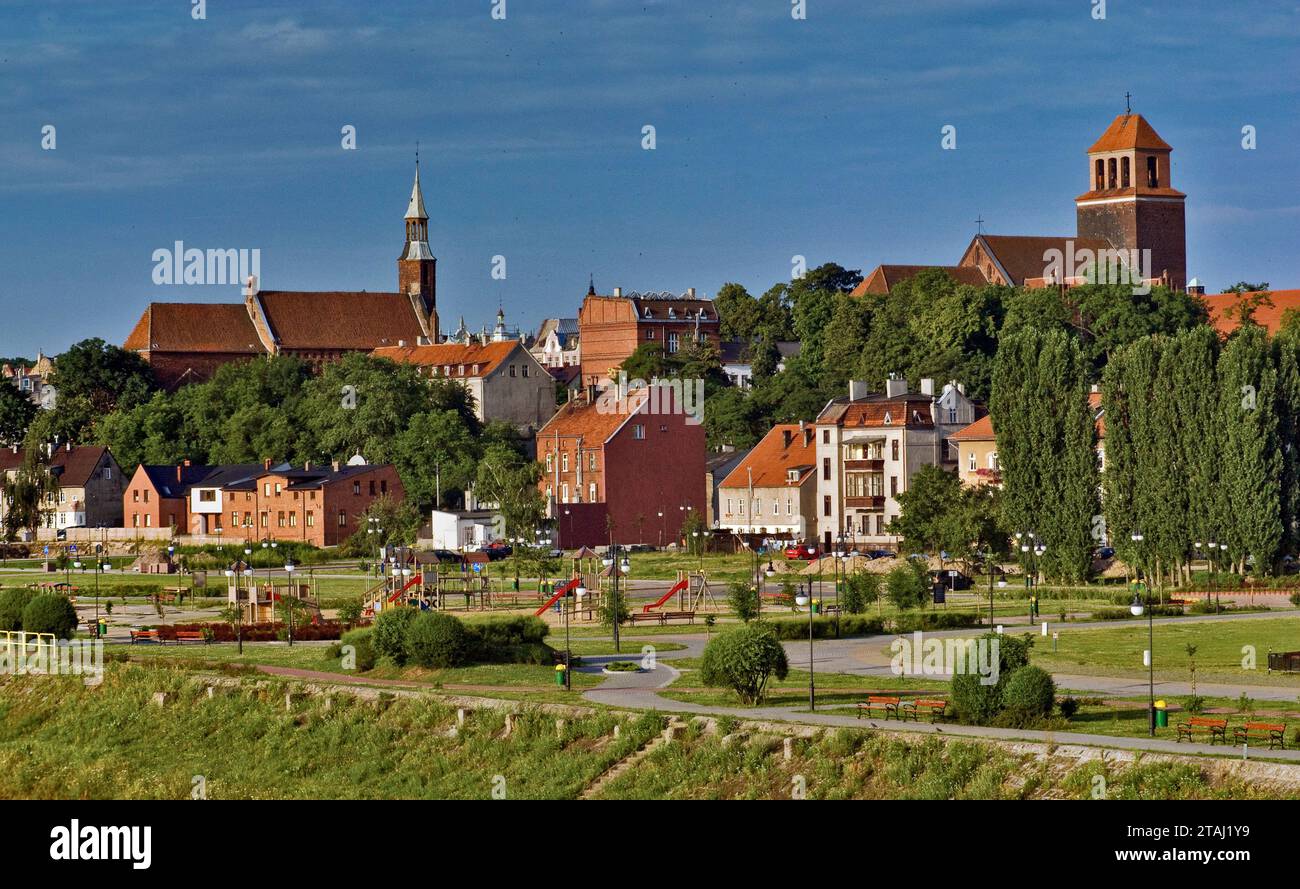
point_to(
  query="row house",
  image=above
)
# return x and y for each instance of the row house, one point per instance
(625, 467)
(772, 492)
(505, 380)
(86, 491)
(869, 446)
(612, 327)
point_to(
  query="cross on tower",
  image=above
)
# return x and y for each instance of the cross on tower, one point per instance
(1128, 105)
(979, 225)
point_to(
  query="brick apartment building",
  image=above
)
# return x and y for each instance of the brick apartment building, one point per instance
(610, 328)
(636, 463)
(158, 496)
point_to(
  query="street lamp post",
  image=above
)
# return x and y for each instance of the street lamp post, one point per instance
(288, 604)
(577, 593)
(1136, 609)
(616, 567)
(805, 600)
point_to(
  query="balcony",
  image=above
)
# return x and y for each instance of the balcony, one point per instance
(864, 465)
(871, 504)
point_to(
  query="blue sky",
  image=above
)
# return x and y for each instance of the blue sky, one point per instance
(775, 137)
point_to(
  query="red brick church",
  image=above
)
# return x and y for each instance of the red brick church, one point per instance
(187, 342)
(1129, 206)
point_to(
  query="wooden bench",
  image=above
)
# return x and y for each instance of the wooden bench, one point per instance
(829, 610)
(190, 636)
(688, 616)
(1217, 729)
(889, 705)
(936, 708)
(144, 636)
(1275, 732)
(653, 617)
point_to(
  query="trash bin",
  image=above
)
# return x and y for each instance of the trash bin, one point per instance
(559, 675)
(816, 606)
(103, 629)
(1162, 715)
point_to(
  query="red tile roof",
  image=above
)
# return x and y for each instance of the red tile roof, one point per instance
(884, 278)
(487, 356)
(912, 410)
(1129, 131)
(195, 327)
(594, 421)
(1268, 314)
(980, 430)
(331, 320)
(771, 459)
(1022, 256)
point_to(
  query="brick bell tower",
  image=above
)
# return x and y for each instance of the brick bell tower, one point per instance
(417, 267)
(1131, 204)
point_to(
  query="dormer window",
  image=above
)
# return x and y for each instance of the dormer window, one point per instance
(672, 313)
(648, 312)
(792, 475)
(889, 418)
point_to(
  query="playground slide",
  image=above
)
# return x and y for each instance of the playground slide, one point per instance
(415, 578)
(677, 588)
(558, 593)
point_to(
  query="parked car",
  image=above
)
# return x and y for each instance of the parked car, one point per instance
(952, 579)
(640, 548)
(879, 554)
(496, 550)
(805, 551)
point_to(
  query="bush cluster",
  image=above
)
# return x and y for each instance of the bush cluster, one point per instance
(437, 640)
(50, 614)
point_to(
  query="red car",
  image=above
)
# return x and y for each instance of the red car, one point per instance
(804, 551)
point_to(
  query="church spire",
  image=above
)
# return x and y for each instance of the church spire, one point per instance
(417, 222)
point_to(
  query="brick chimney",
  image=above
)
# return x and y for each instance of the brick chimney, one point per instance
(266, 464)
(334, 465)
(787, 436)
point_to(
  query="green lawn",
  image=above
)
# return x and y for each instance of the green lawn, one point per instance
(1219, 656)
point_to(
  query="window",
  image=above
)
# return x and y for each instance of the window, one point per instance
(549, 465)
(663, 427)
(135, 520)
(525, 370)
(266, 489)
(1100, 176)
(880, 524)
(1112, 173)
(889, 418)
(672, 342)
(564, 493)
(826, 505)
(208, 495)
(343, 518)
(952, 415)
(591, 492)
(171, 519)
(649, 334)
(971, 463)
(108, 473)
(293, 519)
(591, 461)
(826, 436)
(549, 492)
(265, 519)
(234, 519)
(311, 519)
(383, 486)
(356, 489)
(564, 462)
(893, 449)
(278, 489)
(135, 496)
(638, 431)
(148, 520)
(512, 370)
(993, 460)
(248, 519)
(893, 486)
(1153, 173)
(372, 487)
(730, 506)
(789, 506)
(279, 519)
(1124, 172)
(826, 468)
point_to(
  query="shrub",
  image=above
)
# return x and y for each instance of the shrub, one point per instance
(1193, 703)
(50, 614)
(935, 620)
(1068, 707)
(350, 612)
(389, 636)
(908, 585)
(12, 603)
(743, 659)
(1295, 599)
(1029, 693)
(978, 703)
(860, 591)
(436, 640)
(363, 647)
(743, 598)
(824, 627)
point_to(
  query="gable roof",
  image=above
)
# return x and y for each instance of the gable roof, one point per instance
(884, 278)
(592, 420)
(911, 410)
(771, 459)
(1021, 257)
(488, 356)
(195, 327)
(1129, 131)
(337, 319)
(1266, 315)
(74, 467)
(174, 481)
(980, 430)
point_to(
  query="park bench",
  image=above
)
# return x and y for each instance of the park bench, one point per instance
(144, 636)
(688, 616)
(1275, 732)
(190, 636)
(880, 702)
(646, 617)
(1217, 729)
(936, 708)
(829, 610)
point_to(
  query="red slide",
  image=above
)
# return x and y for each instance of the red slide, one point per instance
(415, 578)
(558, 593)
(677, 588)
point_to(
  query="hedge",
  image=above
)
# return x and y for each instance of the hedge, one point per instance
(259, 632)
